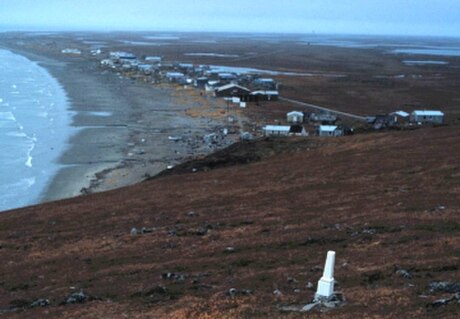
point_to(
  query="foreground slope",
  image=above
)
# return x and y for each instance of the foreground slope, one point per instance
(384, 202)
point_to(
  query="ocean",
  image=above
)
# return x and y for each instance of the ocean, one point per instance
(34, 129)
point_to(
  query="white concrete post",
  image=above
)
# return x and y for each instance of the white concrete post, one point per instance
(326, 283)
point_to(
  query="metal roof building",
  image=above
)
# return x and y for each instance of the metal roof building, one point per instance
(427, 117)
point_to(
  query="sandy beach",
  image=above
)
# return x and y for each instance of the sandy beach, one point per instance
(125, 130)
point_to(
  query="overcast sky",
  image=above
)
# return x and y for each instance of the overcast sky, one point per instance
(403, 17)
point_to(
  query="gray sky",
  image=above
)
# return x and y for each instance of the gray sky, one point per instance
(403, 17)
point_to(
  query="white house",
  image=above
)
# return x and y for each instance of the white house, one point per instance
(295, 117)
(329, 130)
(276, 130)
(285, 130)
(427, 116)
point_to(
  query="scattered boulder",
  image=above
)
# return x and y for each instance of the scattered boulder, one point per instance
(172, 276)
(192, 214)
(77, 297)
(277, 292)
(202, 231)
(40, 303)
(141, 231)
(444, 286)
(322, 304)
(404, 273)
(309, 307)
(233, 292)
(444, 301)
(229, 249)
(370, 231)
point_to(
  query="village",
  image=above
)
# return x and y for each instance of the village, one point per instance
(241, 89)
(339, 200)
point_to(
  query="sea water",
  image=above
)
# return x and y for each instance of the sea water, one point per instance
(34, 128)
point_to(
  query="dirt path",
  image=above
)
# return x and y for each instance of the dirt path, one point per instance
(317, 107)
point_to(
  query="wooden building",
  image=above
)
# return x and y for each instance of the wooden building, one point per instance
(233, 90)
(259, 96)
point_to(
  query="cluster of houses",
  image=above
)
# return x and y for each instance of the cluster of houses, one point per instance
(402, 119)
(322, 124)
(325, 124)
(241, 88)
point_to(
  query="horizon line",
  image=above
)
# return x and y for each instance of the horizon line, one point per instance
(4, 29)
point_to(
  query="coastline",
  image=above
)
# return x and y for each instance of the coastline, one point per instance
(122, 127)
(35, 129)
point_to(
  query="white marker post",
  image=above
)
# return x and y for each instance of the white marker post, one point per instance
(326, 283)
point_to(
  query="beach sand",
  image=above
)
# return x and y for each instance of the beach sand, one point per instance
(125, 129)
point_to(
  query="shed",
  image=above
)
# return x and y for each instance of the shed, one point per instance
(233, 90)
(398, 117)
(295, 117)
(427, 116)
(276, 130)
(329, 130)
(298, 130)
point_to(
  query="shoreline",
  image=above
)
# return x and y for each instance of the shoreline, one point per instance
(122, 127)
(38, 108)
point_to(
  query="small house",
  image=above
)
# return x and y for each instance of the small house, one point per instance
(398, 118)
(265, 84)
(232, 90)
(427, 117)
(257, 96)
(71, 51)
(212, 85)
(146, 69)
(175, 76)
(295, 117)
(153, 59)
(201, 81)
(329, 130)
(276, 130)
(108, 63)
(380, 121)
(226, 77)
(323, 118)
(186, 67)
(120, 56)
